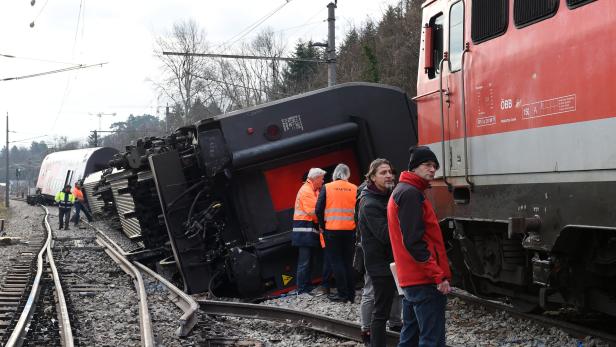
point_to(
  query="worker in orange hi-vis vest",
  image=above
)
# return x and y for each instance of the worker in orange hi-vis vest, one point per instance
(305, 233)
(336, 213)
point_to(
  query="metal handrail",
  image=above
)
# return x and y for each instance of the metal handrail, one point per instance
(466, 177)
(440, 87)
(66, 334)
(147, 336)
(426, 94)
(16, 338)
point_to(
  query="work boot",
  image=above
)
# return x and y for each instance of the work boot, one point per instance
(365, 338)
(60, 228)
(324, 291)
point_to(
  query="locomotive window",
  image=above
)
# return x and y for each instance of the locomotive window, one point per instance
(489, 19)
(527, 12)
(456, 35)
(577, 3)
(436, 23)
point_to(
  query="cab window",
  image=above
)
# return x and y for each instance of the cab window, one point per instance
(456, 35)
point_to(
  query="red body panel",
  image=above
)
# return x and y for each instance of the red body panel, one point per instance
(284, 182)
(553, 72)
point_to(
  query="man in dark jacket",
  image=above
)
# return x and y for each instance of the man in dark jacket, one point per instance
(372, 224)
(419, 252)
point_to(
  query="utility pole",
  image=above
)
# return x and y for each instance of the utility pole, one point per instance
(6, 190)
(100, 115)
(331, 44)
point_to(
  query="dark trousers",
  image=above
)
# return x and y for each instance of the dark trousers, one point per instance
(384, 292)
(64, 215)
(327, 270)
(80, 207)
(340, 246)
(304, 260)
(423, 317)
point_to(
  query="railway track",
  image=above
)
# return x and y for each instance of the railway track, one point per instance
(574, 329)
(22, 287)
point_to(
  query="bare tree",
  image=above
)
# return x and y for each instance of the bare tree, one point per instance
(186, 78)
(248, 82)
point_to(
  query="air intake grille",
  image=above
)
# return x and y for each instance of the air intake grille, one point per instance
(526, 12)
(489, 19)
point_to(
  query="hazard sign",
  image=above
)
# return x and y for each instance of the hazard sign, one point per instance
(286, 279)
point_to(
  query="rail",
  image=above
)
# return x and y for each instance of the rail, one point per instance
(64, 321)
(16, 338)
(182, 300)
(147, 336)
(340, 328)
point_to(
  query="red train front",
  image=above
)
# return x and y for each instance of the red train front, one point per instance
(515, 97)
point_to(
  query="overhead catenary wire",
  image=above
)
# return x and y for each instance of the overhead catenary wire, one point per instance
(240, 35)
(76, 67)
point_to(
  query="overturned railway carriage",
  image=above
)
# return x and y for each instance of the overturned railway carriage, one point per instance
(67, 167)
(516, 98)
(218, 197)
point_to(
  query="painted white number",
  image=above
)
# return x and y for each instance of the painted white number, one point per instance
(506, 104)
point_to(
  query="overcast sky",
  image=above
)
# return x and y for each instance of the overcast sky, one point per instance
(122, 33)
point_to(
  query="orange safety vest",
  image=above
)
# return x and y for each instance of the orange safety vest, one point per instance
(305, 203)
(340, 205)
(78, 194)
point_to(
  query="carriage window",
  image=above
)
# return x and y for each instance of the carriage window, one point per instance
(577, 3)
(489, 19)
(436, 23)
(456, 35)
(527, 12)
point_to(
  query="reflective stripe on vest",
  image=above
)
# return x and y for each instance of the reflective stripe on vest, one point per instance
(305, 203)
(340, 205)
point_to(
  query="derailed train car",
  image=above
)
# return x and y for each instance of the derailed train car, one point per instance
(67, 167)
(520, 110)
(215, 200)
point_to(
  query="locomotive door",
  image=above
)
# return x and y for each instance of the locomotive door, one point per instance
(455, 134)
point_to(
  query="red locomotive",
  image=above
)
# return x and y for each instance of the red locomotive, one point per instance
(515, 97)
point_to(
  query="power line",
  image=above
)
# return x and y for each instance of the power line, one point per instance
(240, 86)
(253, 57)
(253, 26)
(76, 67)
(28, 139)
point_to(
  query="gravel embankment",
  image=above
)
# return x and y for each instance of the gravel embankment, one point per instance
(104, 315)
(22, 225)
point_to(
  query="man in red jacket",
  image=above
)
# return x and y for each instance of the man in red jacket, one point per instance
(419, 253)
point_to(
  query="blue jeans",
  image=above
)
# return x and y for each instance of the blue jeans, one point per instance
(423, 317)
(79, 207)
(304, 259)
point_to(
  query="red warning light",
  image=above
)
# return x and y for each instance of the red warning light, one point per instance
(272, 132)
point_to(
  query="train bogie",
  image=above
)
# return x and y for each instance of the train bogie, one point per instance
(521, 123)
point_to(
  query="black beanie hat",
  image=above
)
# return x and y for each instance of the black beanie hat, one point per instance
(420, 155)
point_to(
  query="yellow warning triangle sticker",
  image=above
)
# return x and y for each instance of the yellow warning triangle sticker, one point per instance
(286, 279)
